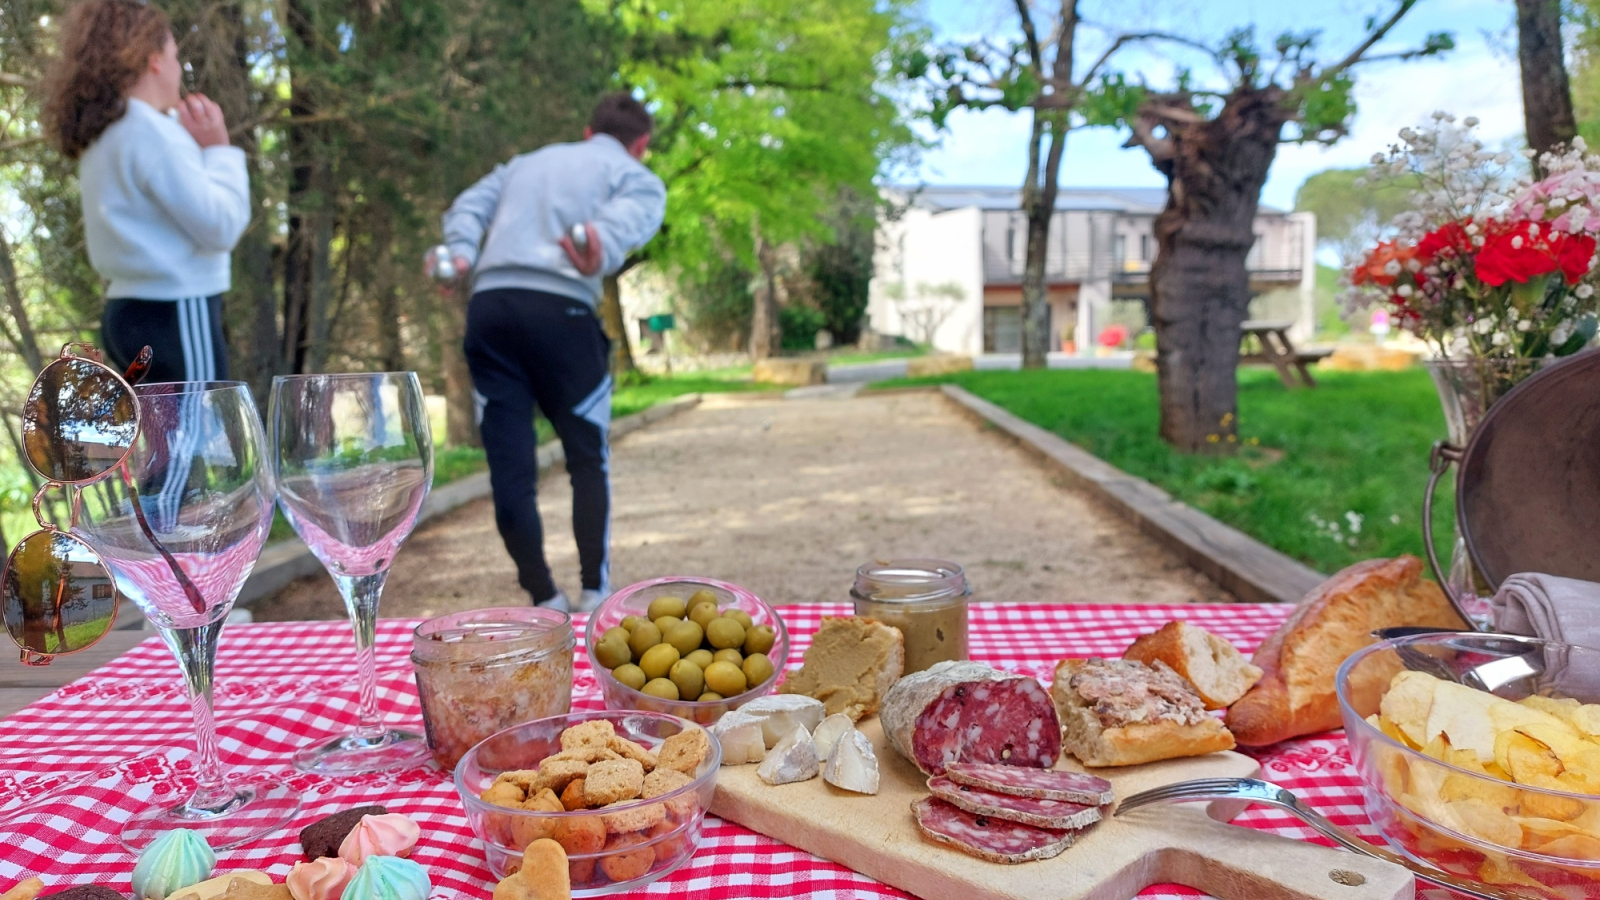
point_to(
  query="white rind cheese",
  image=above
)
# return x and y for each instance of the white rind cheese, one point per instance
(852, 765)
(828, 733)
(741, 739)
(782, 713)
(793, 759)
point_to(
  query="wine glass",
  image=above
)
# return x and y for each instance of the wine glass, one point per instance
(353, 456)
(181, 524)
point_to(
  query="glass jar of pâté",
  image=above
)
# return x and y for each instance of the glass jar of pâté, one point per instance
(925, 598)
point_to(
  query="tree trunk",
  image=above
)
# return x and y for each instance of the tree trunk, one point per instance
(765, 339)
(1039, 205)
(1546, 97)
(27, 344)
(616, 328)
(461, 420)
(1199, 283)
(310, 202)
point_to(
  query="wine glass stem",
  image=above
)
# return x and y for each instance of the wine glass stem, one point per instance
(196, 650)
(361, 593)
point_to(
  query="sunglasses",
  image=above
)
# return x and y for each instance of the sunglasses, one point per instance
(79, 424)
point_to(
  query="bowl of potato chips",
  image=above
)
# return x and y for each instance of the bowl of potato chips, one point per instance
(1480, 755)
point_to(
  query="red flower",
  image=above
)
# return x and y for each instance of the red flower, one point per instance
(1522, 251)
(1449, 239)
(1375, 268)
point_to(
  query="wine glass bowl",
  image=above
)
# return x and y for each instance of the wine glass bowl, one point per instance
(180, 523)
(353, 456)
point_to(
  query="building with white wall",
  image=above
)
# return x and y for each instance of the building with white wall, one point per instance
(949, 266)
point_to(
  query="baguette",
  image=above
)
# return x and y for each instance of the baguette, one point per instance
(1218, 671)
(1099, 740)
(1296, 695)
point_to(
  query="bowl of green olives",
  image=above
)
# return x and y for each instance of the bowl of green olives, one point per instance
(689, 647)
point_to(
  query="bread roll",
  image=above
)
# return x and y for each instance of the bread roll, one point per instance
(1295, 695)
(1218, 671)
(1107, 738)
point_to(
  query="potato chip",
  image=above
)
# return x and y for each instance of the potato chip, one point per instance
(1574, 846)
(1497, 869)
(1486, 821)
(1390, 730)
(1547, 806)
(1407, 704)
(1586, 719)
(1528, 760)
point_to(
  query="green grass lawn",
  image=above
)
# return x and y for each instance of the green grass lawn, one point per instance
(849, 359)
(1329, 476)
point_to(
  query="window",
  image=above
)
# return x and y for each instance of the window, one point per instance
(1119, 249)
(1144, 247)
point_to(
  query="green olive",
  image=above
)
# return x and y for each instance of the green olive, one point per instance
(702, 613)
(701, 657)
(660, 687)
(667, 606)
(631, 622)
(615, 632)
(658, 660)
(725, 632)
(685, 635)
(740, 616)
(630, 675)
(690, 680)
(729, 655)
(665, 623)
(759, 639)
(725, 678)
(709, 696)
(704, 595)
(612, 652)
(645, 635)
(757, 668)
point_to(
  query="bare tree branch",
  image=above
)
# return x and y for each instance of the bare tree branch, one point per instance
(1373, 37)
(1125, 39)
(1031, 36)
(10, 80)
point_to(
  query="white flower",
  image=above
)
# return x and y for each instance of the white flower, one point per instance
(1470, 121)
(1499, 339)
(1525, 325)
(1391, 268)
(1584, 291)
(1355, 519)
(1472, 228)
(1579, 144)
(1377, 159)
(1533, 231)
(1404, 290)
(1412, 265)
(1516, 242)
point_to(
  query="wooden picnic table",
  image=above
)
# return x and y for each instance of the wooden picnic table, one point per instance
(20, 685)
(1272, 347)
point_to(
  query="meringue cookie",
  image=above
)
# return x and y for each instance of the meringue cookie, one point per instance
(178, 859)
(388, 878)
(322, 879)
(387, 835)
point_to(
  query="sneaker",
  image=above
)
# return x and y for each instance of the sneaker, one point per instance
(557, 603)
(589, 601)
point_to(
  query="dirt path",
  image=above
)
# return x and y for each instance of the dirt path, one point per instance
(788, 497)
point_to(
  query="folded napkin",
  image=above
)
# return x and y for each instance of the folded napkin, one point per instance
(1549, 607)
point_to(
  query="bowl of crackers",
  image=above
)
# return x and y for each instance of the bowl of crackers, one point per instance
(1479, 754)
(684, 646)
(623, 792)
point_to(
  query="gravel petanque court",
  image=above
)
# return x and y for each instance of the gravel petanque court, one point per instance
(788, 497)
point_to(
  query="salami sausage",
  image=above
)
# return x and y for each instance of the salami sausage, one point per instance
(1040, 784)
(987, 838)
(1056, 815)
(968, 712)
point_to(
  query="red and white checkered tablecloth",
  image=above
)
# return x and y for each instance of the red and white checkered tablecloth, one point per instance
(76, 764)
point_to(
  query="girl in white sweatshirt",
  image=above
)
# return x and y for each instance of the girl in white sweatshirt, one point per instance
(165, 197)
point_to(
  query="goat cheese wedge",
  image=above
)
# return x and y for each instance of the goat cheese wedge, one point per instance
(741, 738)
(852, 765)
(827, 734)
(793, 759)
(781, 713)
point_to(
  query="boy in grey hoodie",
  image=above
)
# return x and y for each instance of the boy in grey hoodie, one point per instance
(533, 335)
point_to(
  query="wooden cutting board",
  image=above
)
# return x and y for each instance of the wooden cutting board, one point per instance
(877, 836)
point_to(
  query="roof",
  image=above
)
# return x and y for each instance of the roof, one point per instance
(1131, 200)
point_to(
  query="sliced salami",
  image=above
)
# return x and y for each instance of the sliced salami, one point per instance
(968, 712)
(985, 837)
(1041, 784)
(1057, 815)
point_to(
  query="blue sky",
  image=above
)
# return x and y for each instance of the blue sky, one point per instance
(1479, 78)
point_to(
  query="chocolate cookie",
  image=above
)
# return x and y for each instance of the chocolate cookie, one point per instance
(323, 837)
(85, 892)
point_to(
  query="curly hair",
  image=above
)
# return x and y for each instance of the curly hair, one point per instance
(105, 47)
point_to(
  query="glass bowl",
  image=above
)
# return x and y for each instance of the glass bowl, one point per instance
(1538, 841)
(634, 600)
(628, 861)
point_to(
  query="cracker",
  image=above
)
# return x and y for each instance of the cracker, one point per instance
(662, 781)
(639, 818)
(584, 753)
(27, 889)
(685, 751)
(504, 793)
(629, 750)
(594, 731)
(573, 798)
(244, 889)
(614, 780)
(625, 860)
(555, 775)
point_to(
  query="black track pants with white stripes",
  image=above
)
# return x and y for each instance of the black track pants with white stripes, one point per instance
(186, 336)
(526, 348)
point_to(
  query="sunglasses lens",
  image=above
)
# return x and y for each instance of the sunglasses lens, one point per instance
(58, 596)
(79, 422)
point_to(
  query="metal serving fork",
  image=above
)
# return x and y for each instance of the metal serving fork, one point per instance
(1262, 792)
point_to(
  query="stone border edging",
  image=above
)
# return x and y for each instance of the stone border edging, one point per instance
(1246, 568)
(290, 560)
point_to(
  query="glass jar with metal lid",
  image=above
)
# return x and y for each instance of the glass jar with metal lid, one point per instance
(484, 670)
(925, 598)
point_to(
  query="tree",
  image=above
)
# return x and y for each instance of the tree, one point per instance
(1215, 147)
(1351, 213)
(839, 271)
(925, 307)
(1546, 96)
